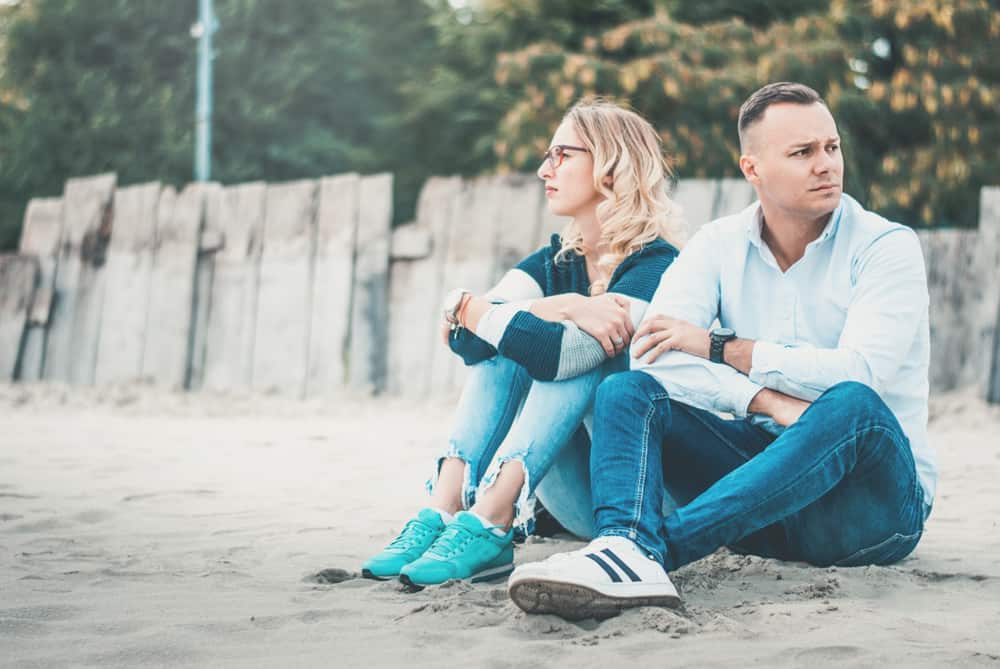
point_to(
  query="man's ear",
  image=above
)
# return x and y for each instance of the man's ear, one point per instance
(748, 165)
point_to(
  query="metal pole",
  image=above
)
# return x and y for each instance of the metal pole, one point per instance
(203, 111)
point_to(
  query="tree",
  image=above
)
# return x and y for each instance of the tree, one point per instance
(914, 84)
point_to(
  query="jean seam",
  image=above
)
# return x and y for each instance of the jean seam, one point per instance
(833, 451)
(732, 446)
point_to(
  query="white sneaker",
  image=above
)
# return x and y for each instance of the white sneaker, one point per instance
(599, 581)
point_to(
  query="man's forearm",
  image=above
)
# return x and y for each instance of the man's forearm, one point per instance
(738, 353)
(784, 409)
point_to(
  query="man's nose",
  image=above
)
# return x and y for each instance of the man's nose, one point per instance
(825, 162)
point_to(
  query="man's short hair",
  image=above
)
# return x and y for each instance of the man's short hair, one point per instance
(753, 109)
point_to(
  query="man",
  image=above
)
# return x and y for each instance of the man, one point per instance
(822, 360)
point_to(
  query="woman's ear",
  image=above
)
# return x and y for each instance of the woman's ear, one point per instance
(608, 181)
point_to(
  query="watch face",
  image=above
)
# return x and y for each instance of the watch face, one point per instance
(723, 332)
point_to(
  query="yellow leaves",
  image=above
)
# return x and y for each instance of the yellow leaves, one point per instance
(877, 91)
(670, 88)
(588, 77)
(628, 80)
(890, 165)
(910, 54)
(880, 7)
(615, 39)
(986, 96)
(973, 133)
(566, 94)
(931, 104)
(947, 95)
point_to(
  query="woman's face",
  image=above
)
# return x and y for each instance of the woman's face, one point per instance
(569, 175)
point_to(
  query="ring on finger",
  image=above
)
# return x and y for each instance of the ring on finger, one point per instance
(618, 341)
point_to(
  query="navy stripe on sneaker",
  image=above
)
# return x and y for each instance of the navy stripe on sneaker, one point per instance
(621, 565)
(615, 578)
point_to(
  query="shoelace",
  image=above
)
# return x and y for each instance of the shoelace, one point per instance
(454, 538)
(414, 534)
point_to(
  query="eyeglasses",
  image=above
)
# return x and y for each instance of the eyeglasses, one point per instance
(556, 154)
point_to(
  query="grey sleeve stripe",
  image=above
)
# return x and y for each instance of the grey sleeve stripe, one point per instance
(580, 352)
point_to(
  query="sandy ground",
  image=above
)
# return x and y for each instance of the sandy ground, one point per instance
(146, 529)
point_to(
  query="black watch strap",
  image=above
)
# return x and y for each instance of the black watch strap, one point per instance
(717, 344)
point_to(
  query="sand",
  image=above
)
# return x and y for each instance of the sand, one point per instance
(142, 528)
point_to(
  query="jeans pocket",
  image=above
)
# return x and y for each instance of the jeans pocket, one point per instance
(891, 550)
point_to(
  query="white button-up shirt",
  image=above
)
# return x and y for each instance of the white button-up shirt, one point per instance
(853, 308)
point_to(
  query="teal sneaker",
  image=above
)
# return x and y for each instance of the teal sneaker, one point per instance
(416, 537)
(465, 550)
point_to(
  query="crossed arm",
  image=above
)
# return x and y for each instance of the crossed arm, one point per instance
(888, 302)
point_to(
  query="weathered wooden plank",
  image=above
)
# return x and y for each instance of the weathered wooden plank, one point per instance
(281, 344)
(238, 212)
(336, 233)
(415, 293)
(469, 264)
(40, 237)
(549, 225)
(18, 278)
(518, 220)
(697, 198)
(410, 242)
(128, 274)
(71, 345)
(209, 244)
(165, 358)
(986, 364)
(731, 197)
(368, 343)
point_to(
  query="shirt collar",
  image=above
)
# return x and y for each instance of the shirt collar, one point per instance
(755, 224)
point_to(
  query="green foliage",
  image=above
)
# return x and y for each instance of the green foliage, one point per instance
(914, 84)
(417, 87)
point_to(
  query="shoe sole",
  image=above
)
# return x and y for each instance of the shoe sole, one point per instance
(484, 576)
(367, 574)
(578, 602)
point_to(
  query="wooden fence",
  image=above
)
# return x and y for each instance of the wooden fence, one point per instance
(305, 290)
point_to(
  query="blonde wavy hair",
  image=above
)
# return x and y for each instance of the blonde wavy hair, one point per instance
(636, 209)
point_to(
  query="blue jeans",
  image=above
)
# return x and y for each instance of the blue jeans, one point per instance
(839, 486)
(504, 415)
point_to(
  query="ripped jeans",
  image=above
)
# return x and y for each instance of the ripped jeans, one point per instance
(504, 415)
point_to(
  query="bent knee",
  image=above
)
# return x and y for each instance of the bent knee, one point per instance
(627, 388)
(858, 399)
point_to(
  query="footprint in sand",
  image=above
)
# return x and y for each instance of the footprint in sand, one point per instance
(183, 493)
(833, 653)
(92, 516)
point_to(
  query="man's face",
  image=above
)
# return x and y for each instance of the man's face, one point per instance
(792, 157)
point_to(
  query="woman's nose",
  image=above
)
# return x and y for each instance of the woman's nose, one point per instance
(544, 170)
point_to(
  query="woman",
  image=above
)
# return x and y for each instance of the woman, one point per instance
(538, 345)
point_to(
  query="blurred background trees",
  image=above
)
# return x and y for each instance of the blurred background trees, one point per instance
(426, 87)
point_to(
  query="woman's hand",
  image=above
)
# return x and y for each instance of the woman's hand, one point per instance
(605, 318)
(664, 334)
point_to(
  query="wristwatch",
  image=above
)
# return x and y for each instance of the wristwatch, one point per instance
(717, 342)
(452, 303)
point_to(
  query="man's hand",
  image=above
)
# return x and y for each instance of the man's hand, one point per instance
(605, 318)
(784, 409)
(664, 333)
